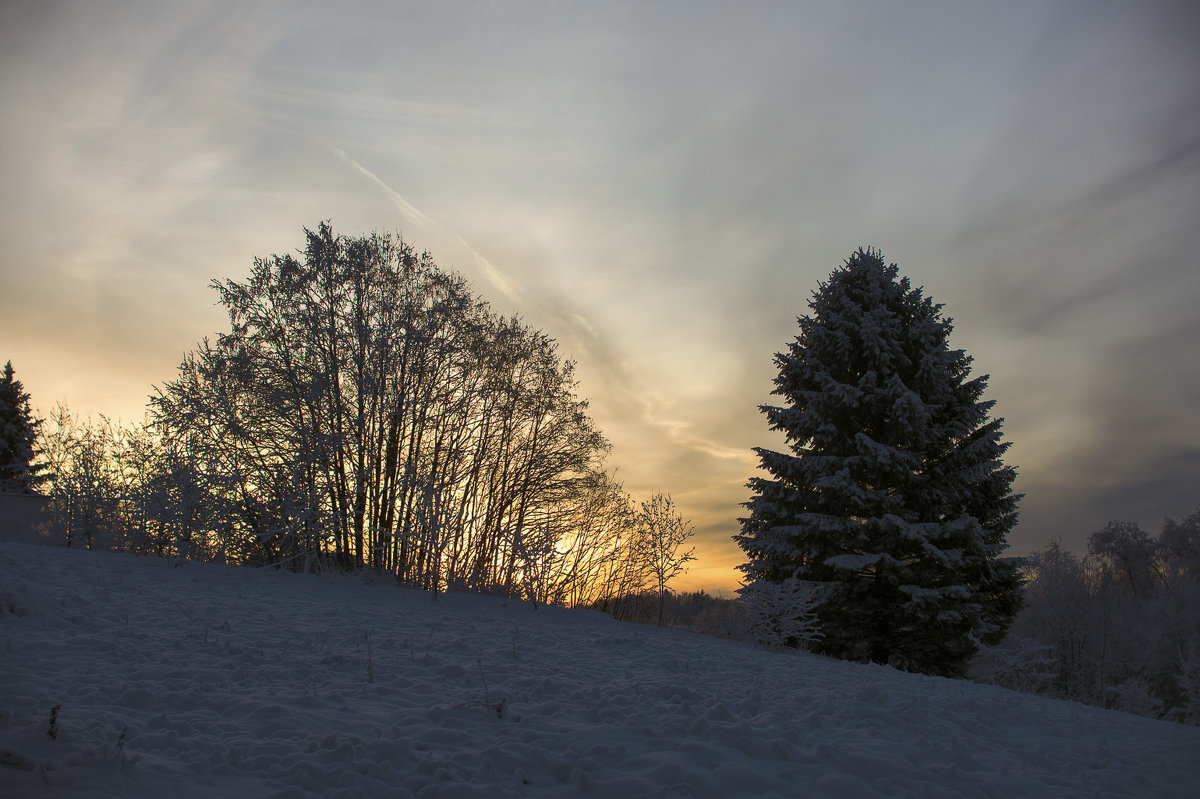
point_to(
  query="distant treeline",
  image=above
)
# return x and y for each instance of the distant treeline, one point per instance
(1119, 628)
(698, 611)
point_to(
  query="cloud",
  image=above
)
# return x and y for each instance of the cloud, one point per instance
(499, 280)
(1080, 221)
(564, 315)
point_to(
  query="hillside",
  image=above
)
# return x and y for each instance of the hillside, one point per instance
(196, 680)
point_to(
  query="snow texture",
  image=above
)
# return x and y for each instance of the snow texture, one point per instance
(192, 680)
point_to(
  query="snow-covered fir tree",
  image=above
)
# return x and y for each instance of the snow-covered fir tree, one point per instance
(19, 471)
(894, 500)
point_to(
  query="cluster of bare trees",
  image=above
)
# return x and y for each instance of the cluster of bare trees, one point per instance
(366, 409)
(117, 486)
(1117, 628)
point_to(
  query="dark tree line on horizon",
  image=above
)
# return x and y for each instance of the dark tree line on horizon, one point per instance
(1117, 628)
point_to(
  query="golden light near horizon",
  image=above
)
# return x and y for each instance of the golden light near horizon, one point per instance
(661, 198)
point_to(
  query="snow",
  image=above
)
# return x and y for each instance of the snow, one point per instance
(239, 682)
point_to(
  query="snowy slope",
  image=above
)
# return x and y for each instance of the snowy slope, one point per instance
(232, 682)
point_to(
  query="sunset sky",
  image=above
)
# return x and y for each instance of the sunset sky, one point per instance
(658, 185)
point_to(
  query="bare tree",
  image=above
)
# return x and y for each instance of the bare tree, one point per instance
(661, 532)
(1117, 629)
(366, 408)
(1125, 553)
(84, 479)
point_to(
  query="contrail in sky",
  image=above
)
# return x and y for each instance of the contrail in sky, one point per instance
(494, 275)
(676, 431)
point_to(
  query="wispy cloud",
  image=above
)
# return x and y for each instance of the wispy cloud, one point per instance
(498, 279)
(681, 432)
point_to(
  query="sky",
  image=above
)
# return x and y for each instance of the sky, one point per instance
(659, 186)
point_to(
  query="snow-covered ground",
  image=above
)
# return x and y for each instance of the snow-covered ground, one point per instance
(206, 681)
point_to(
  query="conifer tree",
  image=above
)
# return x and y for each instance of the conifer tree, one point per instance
(893, 504)
(19, 471)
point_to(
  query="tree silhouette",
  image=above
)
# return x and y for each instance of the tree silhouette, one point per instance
(893, 498)
(661, 532)
(20, 472)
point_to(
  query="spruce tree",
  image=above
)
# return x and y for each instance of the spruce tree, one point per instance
(893, 505)
(19, 471)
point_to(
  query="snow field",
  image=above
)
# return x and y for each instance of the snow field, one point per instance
(197, 680)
